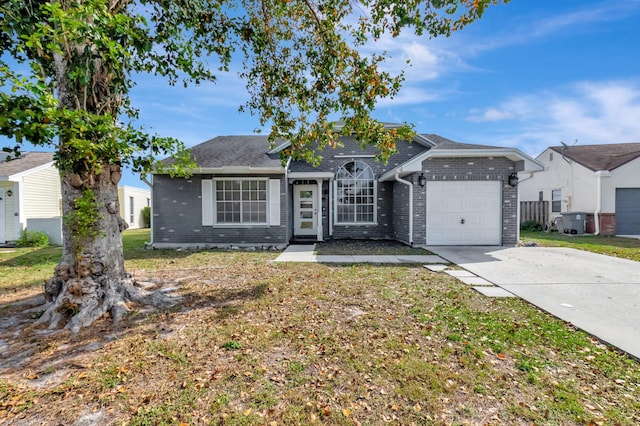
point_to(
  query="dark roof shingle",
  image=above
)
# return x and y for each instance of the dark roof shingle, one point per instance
(600, 157)
(233, 151)
(444, 143)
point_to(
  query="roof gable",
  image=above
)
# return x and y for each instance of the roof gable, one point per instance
(600, 157)
(24, 163)
(447, 148)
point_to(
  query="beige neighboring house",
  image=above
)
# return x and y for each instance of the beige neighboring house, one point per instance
(30, 196)
(602, 181)
(132, 202)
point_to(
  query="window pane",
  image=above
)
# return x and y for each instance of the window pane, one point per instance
(556, 200)
(241, 201)
(355, 193)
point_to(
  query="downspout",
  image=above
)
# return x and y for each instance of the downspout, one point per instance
(410, 187)
(330, 213)
(288, 196)
(596, 214)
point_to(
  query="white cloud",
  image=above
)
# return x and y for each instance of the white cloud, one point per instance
(591, 112)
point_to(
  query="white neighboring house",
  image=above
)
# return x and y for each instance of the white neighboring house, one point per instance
(132, 201)
(600, 180)
(30, 196)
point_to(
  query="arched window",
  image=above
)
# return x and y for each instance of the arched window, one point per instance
(355, 193)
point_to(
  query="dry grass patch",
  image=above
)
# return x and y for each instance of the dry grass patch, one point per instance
(259, 343)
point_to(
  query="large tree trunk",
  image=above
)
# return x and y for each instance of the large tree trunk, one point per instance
(91, 280)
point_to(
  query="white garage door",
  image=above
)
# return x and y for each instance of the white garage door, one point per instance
(464, 213)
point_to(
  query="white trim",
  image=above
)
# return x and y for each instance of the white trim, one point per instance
(279, 148)
(354, 156)
(310, 175)
(316, 219)
(15, 177)
(330, 207)
(274, 202)
(235, 170)
(3, 224)
(415, 164)
(207, 202)
(320, 233)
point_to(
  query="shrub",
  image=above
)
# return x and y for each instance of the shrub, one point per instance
(530, 225)
(33, 239)
(146, 217)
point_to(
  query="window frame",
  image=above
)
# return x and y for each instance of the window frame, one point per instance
(241, 201)
(556, 202)
(374, 197)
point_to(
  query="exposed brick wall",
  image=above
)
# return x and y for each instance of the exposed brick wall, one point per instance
(177, 217)
(401, 212)
(607, 223)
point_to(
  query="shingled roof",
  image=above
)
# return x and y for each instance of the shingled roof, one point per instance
(26, 162)
(600, 157)
(444, 143)
(234, 151)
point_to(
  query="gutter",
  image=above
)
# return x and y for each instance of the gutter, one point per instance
(410, 187)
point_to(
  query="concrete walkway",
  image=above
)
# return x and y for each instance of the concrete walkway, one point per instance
(597, 293)
(305, 253)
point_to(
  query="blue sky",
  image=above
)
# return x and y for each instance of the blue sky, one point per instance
(529, 74)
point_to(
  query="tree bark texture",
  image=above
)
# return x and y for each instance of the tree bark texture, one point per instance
(93, 282)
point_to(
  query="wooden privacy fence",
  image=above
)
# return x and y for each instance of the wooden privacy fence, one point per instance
(538, 211)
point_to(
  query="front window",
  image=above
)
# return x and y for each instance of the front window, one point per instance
(355, 193)
(241, 201)
(556, 200)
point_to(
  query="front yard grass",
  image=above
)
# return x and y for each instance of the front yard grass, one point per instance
(627, 248)
(261, 343)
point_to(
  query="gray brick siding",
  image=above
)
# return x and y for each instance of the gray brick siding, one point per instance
(401, 212)
(385, 215)
(177, 217)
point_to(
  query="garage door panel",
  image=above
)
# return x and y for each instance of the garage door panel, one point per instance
(464, 213)
(628, 211)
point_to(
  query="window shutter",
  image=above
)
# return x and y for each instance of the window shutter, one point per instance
(274, 202)
(207, 202)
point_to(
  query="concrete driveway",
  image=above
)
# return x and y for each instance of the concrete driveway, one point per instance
(599, 294)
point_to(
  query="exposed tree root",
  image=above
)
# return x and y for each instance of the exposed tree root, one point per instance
(84, 300)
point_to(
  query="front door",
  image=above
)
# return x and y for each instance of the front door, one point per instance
(305, 210)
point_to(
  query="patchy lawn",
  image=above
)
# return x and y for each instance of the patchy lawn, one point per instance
(626, 248)
(255, 342)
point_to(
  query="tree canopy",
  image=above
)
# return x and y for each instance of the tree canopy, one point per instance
(302, 64)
